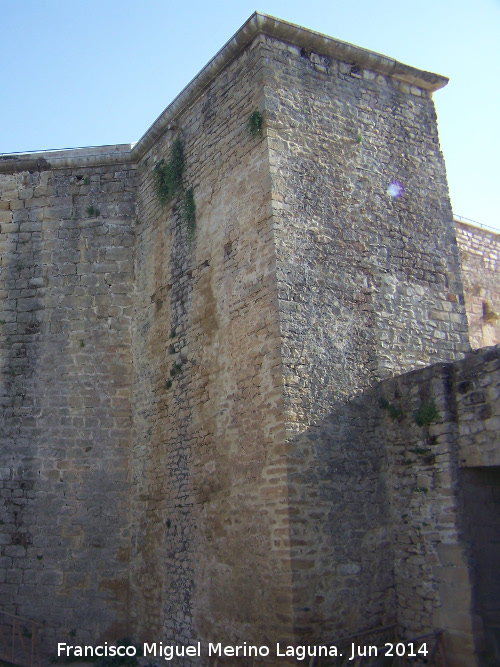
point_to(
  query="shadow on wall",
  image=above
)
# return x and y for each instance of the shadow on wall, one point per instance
(393, 504)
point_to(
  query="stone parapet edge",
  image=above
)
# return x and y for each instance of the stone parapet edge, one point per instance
(257, 24)
(477, 227)
(91, 156)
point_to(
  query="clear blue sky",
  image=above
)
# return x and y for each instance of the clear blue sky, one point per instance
(100, 71)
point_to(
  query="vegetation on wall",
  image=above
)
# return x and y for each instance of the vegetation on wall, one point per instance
(392, 410)
(427, 412)
(93, 211)
(168, 183)
(254, 124)
(167, 176)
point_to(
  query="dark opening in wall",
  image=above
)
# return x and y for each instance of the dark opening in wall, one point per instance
(489, 314)
(480, 489)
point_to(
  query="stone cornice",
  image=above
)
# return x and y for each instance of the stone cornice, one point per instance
(257, 24)
(65, 158)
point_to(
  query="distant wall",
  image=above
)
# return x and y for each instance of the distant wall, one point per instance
(480, 259)
(65, 359)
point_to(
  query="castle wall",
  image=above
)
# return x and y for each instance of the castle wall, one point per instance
(65, 359)
(480, 253)
(194, 443)
(210, 521)
(369, 286)
(341, 525)
(403, 540)
(435, 576)
(374, 279)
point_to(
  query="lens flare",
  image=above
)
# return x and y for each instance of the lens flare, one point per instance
(395, 189)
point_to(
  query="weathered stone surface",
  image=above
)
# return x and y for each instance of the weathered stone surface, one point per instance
(480, 258)
(207, 371)
(390, 497)
(66, 506)
(193, 445)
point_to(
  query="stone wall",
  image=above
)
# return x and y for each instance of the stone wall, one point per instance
(341, 525)
(210, 515)
(448, 420)
(480, 255)
(368, 286)
(371, 284)
(285, 274)
(65, 352)
(390, 474)
(194, 444)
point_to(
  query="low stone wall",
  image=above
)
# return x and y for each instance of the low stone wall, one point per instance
(449, 418)
(377, 489)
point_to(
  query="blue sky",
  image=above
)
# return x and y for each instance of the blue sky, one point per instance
(100, 72)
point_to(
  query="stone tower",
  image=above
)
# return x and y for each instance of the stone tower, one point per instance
(167, 359)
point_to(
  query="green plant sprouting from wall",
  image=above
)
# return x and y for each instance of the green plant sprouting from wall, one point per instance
(167, 176)
(427, 412)
(176, 369)
(168, 183)
(392, 410)
(254, 124)
(92, 211)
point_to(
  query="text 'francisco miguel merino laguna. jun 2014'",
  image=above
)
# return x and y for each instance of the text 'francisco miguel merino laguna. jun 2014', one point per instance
(170, 651)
